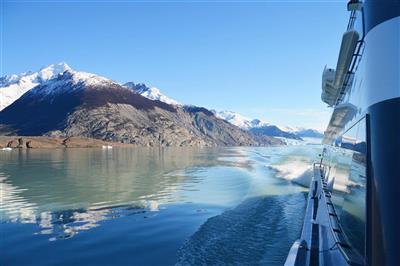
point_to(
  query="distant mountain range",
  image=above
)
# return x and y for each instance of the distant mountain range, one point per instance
(260, 127)
(62, 102)
(59, 101)
(255, 126)
(239, 120)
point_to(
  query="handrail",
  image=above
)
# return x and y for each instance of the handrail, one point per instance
(355, 259)
(297, 254)
(352, 20)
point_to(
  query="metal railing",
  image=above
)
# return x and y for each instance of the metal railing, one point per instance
(349, 253)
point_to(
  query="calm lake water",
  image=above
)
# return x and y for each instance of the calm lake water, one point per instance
(142, 206)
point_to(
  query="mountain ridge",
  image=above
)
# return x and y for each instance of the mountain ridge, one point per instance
(80, 104)
(257, 126)
(46, 79)
(14, 86)
(151, 93)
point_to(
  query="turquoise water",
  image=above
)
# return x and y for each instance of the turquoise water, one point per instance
(142, 206)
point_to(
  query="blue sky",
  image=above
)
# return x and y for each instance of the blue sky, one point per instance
(263, 59)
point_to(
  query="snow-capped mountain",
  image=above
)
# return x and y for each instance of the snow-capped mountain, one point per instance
(239, 120)
(261, 127)
(302, 132)
(58, 78)
(151, 93)
(256, 126)
(80, 104)
(271, 130)
(70, 81)
(14, 86)
(288, 128)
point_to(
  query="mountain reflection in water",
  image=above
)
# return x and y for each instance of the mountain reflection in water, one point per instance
(148, 206)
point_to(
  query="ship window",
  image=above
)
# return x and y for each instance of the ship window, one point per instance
(348, 163)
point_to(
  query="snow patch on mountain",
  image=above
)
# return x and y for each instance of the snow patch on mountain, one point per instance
(14, 86)
(302, 132)
(59, 76)
(239, 120)
(288, 128)
(257, 126)
(70, 81)
(151, 93)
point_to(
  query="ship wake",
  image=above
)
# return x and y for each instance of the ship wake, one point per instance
(260, 230)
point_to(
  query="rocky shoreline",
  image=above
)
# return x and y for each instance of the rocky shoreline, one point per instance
(38, 142)
(45, 142)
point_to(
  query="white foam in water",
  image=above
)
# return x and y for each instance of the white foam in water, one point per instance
(300, 172)
(296, 171)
